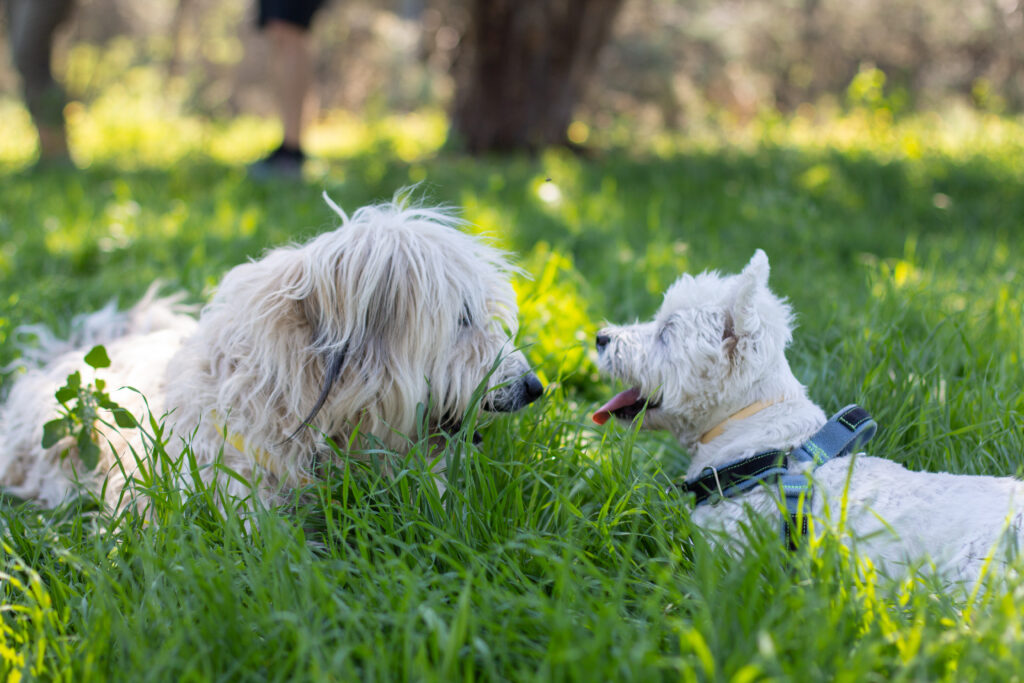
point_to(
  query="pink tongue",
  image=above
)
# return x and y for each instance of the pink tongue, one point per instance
(626, 398)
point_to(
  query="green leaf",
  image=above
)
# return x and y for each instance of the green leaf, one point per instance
(123, 418)
(97, 357)
(54, 431)
(70, 388)
(88, 452)
(65, 394)
(100, 385)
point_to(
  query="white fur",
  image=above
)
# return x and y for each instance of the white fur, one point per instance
(718, 345)
(421, 311)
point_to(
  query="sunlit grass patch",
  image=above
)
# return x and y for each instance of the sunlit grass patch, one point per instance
(957, 132)
(148, 129)
(18, 143)
(143, 121)
(558, 322)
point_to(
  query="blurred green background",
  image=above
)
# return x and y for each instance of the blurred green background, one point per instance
(668, 64)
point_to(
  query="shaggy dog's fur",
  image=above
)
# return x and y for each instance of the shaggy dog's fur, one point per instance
(396, 311)
(716, 346)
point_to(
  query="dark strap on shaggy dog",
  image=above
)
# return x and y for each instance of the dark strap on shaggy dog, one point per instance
(846, 430)
(335, 361)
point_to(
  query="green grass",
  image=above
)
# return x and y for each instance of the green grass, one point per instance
(558, 553)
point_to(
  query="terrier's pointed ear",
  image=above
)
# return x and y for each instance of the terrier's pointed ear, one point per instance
(757, 270)
(752, 279)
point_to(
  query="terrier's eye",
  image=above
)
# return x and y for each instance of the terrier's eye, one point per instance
(466, 319)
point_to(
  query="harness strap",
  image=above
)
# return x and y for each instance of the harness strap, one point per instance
(735, 477)
(796, 492)
(848, 429)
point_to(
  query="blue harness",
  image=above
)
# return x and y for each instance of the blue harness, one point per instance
(848, 429)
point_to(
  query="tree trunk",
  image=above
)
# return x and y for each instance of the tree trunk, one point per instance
(523, 68)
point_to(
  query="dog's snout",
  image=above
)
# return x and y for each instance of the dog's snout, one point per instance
(533, 387)
(601, 341)
(513, 394)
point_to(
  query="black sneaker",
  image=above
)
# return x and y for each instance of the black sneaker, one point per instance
(283, 162)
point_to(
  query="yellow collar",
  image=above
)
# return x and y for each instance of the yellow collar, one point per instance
(752, 409)
(261, 456)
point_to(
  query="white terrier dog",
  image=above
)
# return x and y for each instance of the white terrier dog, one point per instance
(352, 335)
(711, 368)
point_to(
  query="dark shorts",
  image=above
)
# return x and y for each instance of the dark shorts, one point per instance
(298, 12)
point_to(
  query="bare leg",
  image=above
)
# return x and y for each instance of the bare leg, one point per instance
(32, 24)
(291, 71)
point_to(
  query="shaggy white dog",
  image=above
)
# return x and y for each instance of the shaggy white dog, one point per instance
(348, 335)
(711, 368)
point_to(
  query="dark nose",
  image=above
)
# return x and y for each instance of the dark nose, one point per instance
(602, 340)
(533, 388)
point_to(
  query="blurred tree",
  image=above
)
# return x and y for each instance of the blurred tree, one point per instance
(522, 69)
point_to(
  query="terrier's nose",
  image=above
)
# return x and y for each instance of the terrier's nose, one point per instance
(601, 340)
(533, 388)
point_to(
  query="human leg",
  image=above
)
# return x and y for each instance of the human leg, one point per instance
(31, 27)
(286, 24)
(291, 73)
